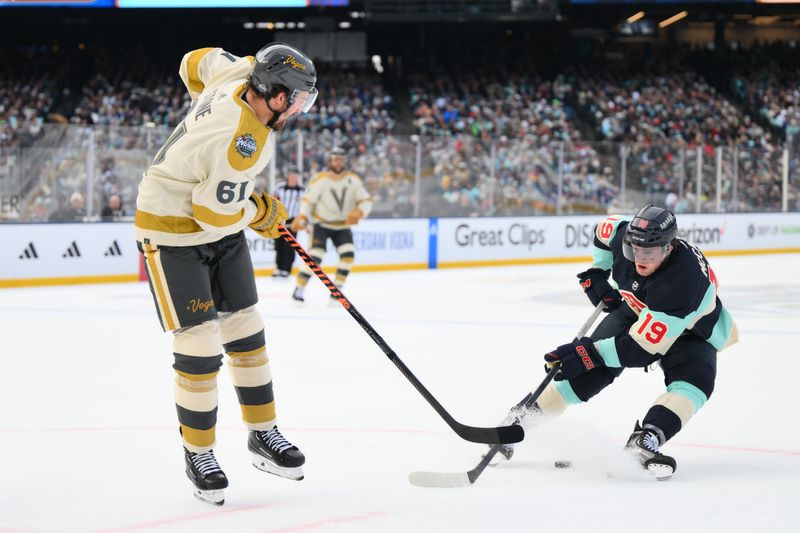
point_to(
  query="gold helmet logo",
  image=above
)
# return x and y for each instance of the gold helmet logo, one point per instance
(290, 60)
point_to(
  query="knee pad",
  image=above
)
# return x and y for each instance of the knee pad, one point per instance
(240, 325)
(245, 344)
(198, 349)
(347, 252)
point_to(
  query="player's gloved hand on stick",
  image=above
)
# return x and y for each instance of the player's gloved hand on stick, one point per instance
(270, 214)
(299, 222)
(576, 358)
(596, 286)
(354, 216)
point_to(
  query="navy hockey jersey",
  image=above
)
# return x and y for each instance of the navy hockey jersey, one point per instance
(679, 298)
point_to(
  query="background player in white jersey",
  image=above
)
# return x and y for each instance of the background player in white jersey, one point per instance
(663, 308)
(194, 202)
(336, 200)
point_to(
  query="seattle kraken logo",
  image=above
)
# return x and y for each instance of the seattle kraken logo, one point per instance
(246, 145)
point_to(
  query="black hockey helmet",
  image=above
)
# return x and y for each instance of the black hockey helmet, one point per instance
(651, 227)
(278, 66)
(337, 152)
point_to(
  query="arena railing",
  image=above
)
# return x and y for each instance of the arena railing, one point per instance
(422, 176)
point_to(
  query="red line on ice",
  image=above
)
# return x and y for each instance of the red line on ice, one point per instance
(331, 522)
(187, 518)
(737, 448)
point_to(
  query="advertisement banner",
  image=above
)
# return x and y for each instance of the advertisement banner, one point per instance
(402, 243)
(210, 3)
(57, 3)
(67, 250)
(497, 240)
(47, 253)
(475, 241)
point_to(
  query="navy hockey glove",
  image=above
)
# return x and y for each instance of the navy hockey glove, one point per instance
(576, 358)
(596, 286)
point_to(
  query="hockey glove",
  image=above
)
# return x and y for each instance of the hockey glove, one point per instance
(576, 358)
(299, 222)
(596, 286)
(354, 216)
(269, 216)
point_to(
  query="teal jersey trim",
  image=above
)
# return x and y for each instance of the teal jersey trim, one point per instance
(608, 351)
(602, 259)
(676, 326)
(690, 392)
(722, 330)
(566, 392)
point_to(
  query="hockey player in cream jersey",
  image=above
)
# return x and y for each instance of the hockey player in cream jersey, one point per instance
(195, 199)
(336, 200)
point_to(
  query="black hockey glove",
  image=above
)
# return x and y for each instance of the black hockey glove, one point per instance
(576, 358)
(596, 286)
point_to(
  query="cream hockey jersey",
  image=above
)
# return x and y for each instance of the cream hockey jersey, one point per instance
(330, 197)
(197, 188)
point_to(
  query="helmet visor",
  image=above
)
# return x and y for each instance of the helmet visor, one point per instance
(646, 256)
(301, 101)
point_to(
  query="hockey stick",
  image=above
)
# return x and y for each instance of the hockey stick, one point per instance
(462, 479)
(495, 435)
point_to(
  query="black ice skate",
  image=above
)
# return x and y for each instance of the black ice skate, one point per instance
(208, 478)
(274, 454)
(297, 295)
(643, 444)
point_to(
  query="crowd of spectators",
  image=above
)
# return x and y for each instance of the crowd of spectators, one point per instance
(766, 79)
(496, 139)
(499, 137)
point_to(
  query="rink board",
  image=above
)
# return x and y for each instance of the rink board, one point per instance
(42, 254)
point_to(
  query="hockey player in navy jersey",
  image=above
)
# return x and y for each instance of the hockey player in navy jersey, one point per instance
(662, 303)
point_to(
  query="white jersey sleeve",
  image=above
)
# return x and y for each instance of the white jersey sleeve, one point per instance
(207, 66)
(197, 188)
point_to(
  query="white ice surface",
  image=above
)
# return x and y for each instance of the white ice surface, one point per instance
(89, 441)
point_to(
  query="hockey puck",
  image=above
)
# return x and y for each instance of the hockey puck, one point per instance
(562, 464)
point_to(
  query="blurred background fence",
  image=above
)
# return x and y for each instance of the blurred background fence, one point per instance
(421, 175)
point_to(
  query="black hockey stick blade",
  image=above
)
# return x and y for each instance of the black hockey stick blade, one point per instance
(462, 479)
(495, 435)
(498, 435)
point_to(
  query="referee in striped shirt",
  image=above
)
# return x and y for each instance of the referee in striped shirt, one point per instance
(289, 192)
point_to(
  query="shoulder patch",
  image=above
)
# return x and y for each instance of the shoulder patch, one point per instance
(250, 136)
(246, 145)
(607, 228)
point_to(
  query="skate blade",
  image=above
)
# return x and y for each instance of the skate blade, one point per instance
(661, 472)
(214, 497)
(295, 474)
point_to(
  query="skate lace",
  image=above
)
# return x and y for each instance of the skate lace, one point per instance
(275, 440)
(650, 441)
(205, 463)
